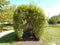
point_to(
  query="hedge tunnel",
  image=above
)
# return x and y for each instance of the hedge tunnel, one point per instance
(29, 19)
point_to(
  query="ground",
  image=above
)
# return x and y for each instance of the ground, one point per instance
(31, 43)
(51, 35)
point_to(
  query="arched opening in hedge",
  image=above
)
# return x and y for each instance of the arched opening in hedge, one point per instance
(29, 17)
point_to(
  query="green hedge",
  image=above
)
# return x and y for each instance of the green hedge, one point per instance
(29, 16)
(1, 27)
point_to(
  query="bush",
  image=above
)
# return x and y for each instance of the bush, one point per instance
(52, 21)
(1, 27)
(31, 17)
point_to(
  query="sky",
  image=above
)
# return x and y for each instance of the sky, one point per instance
(50, 7)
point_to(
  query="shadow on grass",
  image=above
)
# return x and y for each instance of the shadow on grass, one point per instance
(8, 38)
(12, 37)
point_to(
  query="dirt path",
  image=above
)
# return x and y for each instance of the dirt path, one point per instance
(31, 43)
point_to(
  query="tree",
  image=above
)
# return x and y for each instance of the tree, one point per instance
(58, 19)
(54, 19)
(3, 3)
(7, 15)
(29, 17)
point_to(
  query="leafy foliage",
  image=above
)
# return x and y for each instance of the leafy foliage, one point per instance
(54, 19)
(7, 15)
(3, 3)
(31, 17)
(1, 27)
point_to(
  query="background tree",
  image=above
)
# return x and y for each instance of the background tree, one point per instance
(54, 19)
(6, 12)
(7, 15)
(3, 3)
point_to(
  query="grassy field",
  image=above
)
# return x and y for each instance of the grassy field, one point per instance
(51, 34)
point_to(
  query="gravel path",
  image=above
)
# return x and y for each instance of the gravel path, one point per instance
(5, 33)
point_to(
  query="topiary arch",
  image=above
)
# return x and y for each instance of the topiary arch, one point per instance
(29, 17)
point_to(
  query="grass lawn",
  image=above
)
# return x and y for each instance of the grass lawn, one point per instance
(51, 34)
(9, 39)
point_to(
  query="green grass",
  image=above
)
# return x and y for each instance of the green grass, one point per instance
(9, 39)
(52, 34)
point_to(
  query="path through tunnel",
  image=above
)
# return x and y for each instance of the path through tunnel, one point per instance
(29, 35)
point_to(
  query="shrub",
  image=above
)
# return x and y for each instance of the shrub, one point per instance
(1, 27)
(54, 19)
(29, 16)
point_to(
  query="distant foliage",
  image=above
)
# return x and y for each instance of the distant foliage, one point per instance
(3, 3)
(7, 14)
(54, 20)
(31, 17)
